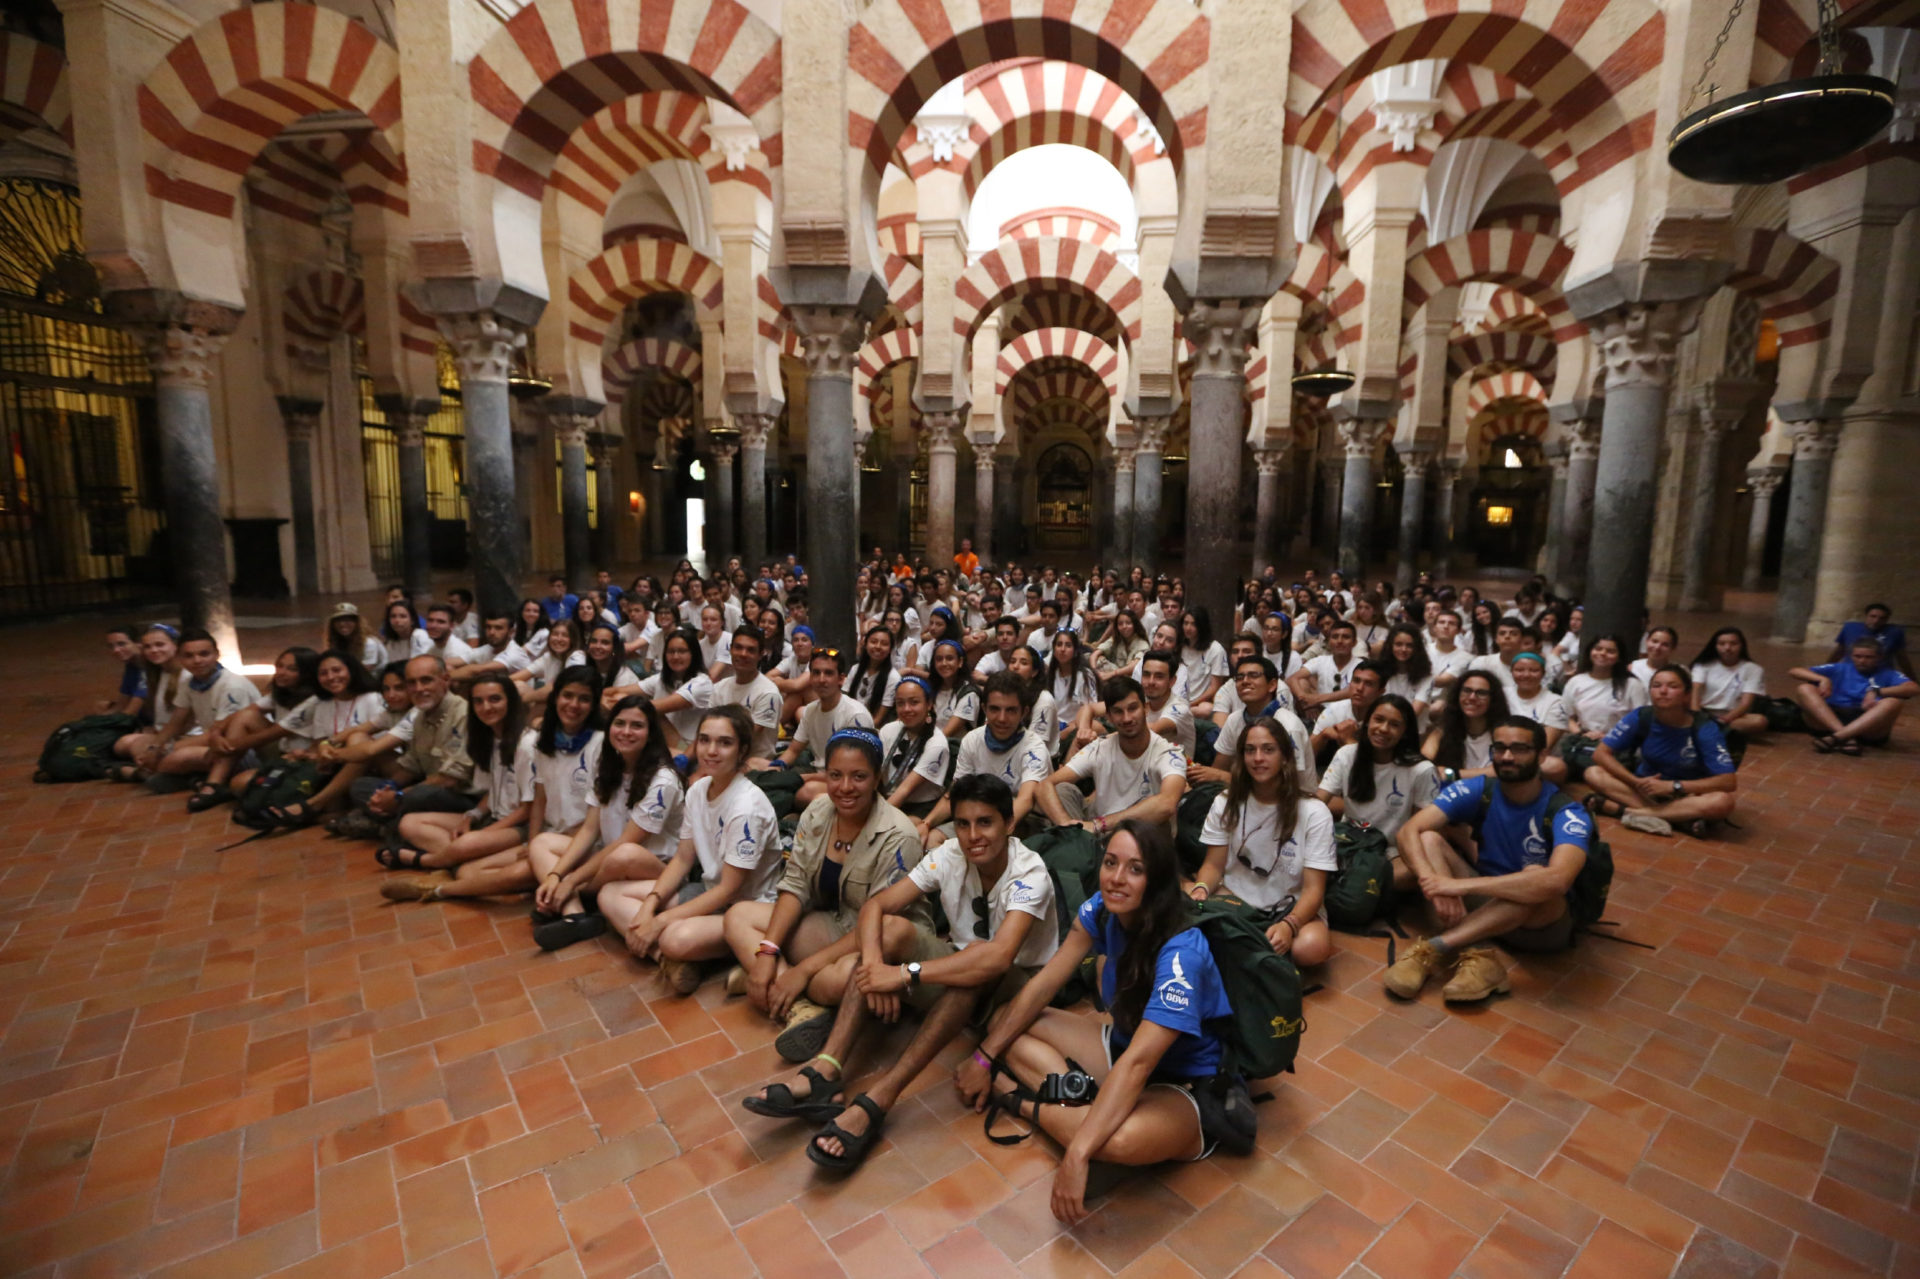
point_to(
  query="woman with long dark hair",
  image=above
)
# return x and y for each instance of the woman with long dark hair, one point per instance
(1383, 779)
(913, 751)
(606, 659)
(347, 631)
(1203, 662)
(1161, 1095)
(1409, 668)
(956, 701)
(1481, 624)
(632, 827)
(1069, 677)
(1604, 692)
(566, 646)
(680, 688)
(1728, 684)
(530, 627)
(485, 845)
(1461, 744)
(875, 676)
(346, 697)
(1123, 646)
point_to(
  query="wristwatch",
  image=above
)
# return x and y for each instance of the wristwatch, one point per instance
(913, 975)
(1679, 789)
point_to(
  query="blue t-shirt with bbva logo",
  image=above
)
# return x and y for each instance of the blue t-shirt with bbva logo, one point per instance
(1512, 837)
(1677, 752)
(1187, 993)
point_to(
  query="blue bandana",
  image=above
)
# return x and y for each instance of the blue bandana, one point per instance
(802, 630)
(572, 743)
(172, 633)
(919, 683)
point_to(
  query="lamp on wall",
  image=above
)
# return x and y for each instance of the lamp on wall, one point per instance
(1780, 130)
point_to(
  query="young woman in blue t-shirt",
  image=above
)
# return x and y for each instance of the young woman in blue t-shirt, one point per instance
(1657, 769)
(1160, 1092)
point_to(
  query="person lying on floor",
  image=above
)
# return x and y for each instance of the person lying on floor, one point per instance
(1152, 1068)
(993, 955)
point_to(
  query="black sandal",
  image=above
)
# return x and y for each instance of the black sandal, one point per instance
(817, 1107)
(291, 816)
(854, 1147)
(1601, 806)
(129, 773)
(1699, 828)
(1851, 746)
(209, 796)
(1826, 744)
(396, 859)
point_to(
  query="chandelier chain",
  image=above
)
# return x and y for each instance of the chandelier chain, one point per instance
(1701, 86)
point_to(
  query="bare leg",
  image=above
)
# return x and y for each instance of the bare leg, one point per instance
(334, 794)
(1314, 943)
(829, 985)
(626, 862)
(1815, 708)
(1752, 724)
(1162, 1125)
(620, 902)
(473, 845)
(947, 1018)
(1554, 769)
(501, 875)
(693, 939)
(746, 926)
(1614, 789)
(1875, 724)
(430, 833)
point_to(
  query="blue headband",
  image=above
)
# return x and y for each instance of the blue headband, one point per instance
(172, 634)
(920, 683)
(953, 644)
(1535, 656)
(802, 630)
(865, 737)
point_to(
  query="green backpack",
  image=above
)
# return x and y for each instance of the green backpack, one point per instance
(1356, 890)
(1262, 1034)
(1587, 899)
(1190, 821)
(82, 751)
(781, 786)
(283, 782)
(1072, 856)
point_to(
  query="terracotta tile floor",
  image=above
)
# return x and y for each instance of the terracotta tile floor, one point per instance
(244, 1063)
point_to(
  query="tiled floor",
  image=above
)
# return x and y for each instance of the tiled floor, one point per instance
(244, 1063)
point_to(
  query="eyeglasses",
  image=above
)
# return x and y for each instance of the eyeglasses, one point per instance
(1507, 748)
(980, 917)
(1475, 692)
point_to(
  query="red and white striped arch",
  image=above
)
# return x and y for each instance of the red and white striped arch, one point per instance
(418, 332)
(1060, 310)
(227, 90)
(33, 87)
(1514, 384)
(299, 178)
(620, 140)
(906, 288)
(1502, 349)
(1313, 271)
(1066, 224)
(1043, 102)
(1016, 268)
(1527, 263)
(624, 363)
(601, 289)
(1596, 67)
(1056, 378)
(899, 236)
(1795, 284)
(901, 53)
(319, 306)
(557, 63)
(1075, 345)
(893, 347)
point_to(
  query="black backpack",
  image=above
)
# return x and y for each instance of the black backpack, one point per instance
(82, 750)
(1190, 821)
(1587, 899)
(1072, 857)
(283, 782)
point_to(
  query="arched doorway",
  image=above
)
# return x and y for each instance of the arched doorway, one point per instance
(1507, 522)
(1063, 499)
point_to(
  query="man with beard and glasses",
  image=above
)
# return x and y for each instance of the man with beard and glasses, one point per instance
(1495, 858)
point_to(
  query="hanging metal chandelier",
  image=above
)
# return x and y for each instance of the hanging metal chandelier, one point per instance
(1779, 131)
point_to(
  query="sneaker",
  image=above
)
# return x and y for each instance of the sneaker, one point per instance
(736, 981)
(1410, 972)
(1647, 824)
(1478, 974)
(806, 1032)
(410, 888)
(682, 975)
(558, 934)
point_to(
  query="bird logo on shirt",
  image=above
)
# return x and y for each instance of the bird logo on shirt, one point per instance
(1396, 792)
(1535, 845)
(1176, 992)
(745, 847)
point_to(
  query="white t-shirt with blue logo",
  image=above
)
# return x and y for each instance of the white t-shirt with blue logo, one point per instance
(1399, 790)
(1119, 782)
(566, 779)
(738, 829)
(1025, 761)
(1187, 993)
(1261, 870)
(656, 812)
(1023, 886)
(1513, 838)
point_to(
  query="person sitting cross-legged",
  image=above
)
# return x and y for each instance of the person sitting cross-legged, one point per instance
(1664, 765)
(1507, 883)
(1135, 772)
(999, 897)
(1852, 701)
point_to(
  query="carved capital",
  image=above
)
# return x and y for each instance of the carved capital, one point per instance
(1764, 484)
(830, 338)
(483, 344)
(602, 446)
(1403, 122)
(300, 418)
(1558, 463)
(1583, 438)
(942, 429)
(1221, 332)
(1123, 461)
(1269, 461)
(860, 451)
(735, 140)
(183, 357)
(1815, 439)
(942, 134)
(1153, 434)
(1359, 435)
(1420, 464)
(724, 453)
(1637, 341)
(409, 429)
(754, 429)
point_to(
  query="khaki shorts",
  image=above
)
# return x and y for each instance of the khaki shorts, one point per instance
(926, 945)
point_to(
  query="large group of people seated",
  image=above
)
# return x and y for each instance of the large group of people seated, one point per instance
(839, 835)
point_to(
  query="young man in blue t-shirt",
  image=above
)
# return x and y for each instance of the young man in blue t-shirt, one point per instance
(1492, 863)
(1853, 701)
(1878, 627)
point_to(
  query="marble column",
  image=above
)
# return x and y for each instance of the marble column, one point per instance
(182, 356)
(1327, 535)
(1722, 404)
(484, 343)
(1148, 461)
(1576, 512)
(754, 429)
(1416, 465)
(1268, 465)
(1123, 482)
(572, 418)
(1359, 436)
(1446, 485)
(860, 446)
(1221, 332)
(830, 336)
(301, 420)
(1636, 344)
(720, 541)
(605, 449)
(1007, 497)
(942, 427)
(983, 497)
(408, 418)
(1557, 464)
(1761, 485)
(1815, 441)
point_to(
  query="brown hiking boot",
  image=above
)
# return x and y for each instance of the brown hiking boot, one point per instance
(806, 1032)
(1478, 974)
(1416, 964)
(681, 975)
(736, 981)
(410, 888)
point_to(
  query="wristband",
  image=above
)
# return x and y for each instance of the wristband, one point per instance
(985, 1062)
(768, 948)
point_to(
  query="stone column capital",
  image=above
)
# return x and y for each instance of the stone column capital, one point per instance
(183, 357)
(1123, 461)
(602, 446)
(860, 451)
(1221, 331)
(1420, 463)
(1724, 402)
(1583, 438)
(1637, 341)
(299, 417)
(572, 418)
(1558, 464)
(830, 337)
(1765, 483)
(1152, 434)
(1269, 461)
(983, 462)
(1815, 438)
(484, 343)
(1359, 435)
(1450, 468)
(942, 428)
(754, 428)
(724, 451)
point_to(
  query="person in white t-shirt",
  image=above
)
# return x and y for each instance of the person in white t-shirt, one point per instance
(992, 959)
(566, 755)
(565, 647)
(745, 685)
(1603, 692)
(715, 642)
(1324, 679)
(1656, 651)
(1383, 779)
(501, 654)
(1271, 846)
(1447, 659)
(1259, 695)
(728, 827)
(466, 620)
(435, 638)
(632, 828)
(1136, 773)
(1509, 640)
(1531, 699)
(1001, 747)
(956, 701)
(914, 753)
(1043, 713)
(1409, 668)
(1339, 722)
(208, 698)
(830, 711)
(1728, 684)
(1203, 662)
